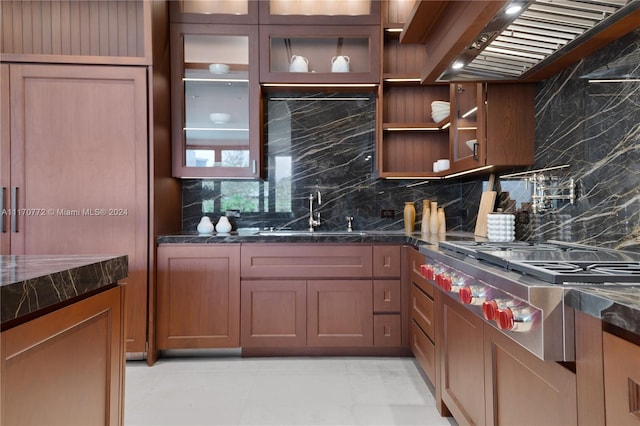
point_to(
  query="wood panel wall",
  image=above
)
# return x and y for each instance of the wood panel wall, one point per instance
(396, 11)
(72, 27)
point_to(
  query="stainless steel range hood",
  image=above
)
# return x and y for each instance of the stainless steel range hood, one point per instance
(626, 68)
(547, 37)
(518, 48)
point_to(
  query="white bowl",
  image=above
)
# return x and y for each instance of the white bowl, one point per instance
(219, 68)
(443, 164)
(438, 116)
(220, 117)
(470, 143)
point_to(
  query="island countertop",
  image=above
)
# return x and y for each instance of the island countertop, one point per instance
(33, 285)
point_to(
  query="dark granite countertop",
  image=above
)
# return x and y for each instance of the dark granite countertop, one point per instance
(33, 285)
(618, 305)
(364, 237)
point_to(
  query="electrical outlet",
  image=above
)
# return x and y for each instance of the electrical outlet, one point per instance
(387, 213)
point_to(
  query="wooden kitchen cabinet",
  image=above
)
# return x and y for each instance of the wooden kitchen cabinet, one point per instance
(491, 125)
(318, 45)
(198, 296)
(408, 141)
(74, 168)
(422, 313)
(320, 296)
(521, 388)
(320, 12)
(215, 101)
(339, 313)
(462, 374)
(621, 380)
(274, 313)
(66, 367)
(239, 12)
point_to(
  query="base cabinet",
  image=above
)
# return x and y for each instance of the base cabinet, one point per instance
(461, 362)
(198, 296)
(522, 389)
(66, 367)
(621, 381)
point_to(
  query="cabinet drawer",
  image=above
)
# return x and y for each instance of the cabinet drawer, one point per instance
(421, 308)
(415, 260)
(387, 330)
(386, 261)
(621, 381)
(305, 261)
(423, 349)
(386, 296)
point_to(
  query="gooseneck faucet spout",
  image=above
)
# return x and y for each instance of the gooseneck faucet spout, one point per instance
(313, 222)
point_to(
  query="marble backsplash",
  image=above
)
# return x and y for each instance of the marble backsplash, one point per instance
(595, 128)
(330, 141)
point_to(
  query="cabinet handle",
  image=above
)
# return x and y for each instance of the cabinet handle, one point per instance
(475, 151)
(254, 166)
(2, 212)
(14, 208)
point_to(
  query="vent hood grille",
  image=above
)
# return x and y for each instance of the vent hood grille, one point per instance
(539, 33)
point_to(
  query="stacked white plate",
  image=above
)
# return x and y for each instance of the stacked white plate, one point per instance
(501, 227)
(440, 110)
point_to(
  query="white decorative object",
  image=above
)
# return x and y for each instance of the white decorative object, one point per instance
(340, 64)
(205, 226)
(223, 226)
(218, 68)
(299, 64)
(220, 117)
(501, 227)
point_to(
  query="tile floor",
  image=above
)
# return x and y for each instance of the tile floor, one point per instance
(229, 390)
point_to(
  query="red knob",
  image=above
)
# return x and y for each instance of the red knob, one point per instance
(466, 296)
(505, 319)
(490, 310)
(446, 283)
(426, 271)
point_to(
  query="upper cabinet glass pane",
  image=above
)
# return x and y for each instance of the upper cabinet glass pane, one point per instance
(465, 120)
(221, 7)
(322, 55)
(216, 93)
(320, 7)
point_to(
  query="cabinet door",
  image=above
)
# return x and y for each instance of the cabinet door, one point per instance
(5, 143)
(274, 313)
(73, 354)
(214, 11)
(329, 12)
(215, 101)
(621, 381)
(467, 148)
(339, 313)
(311, 54)
(198, 296)
(522, 389)
(461, 359)
(79, 169)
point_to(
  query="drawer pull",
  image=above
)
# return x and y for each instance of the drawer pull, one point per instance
(634, 398)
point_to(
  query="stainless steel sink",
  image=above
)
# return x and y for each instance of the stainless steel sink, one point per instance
(312, 234)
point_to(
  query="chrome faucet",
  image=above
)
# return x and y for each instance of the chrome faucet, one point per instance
(314, 222)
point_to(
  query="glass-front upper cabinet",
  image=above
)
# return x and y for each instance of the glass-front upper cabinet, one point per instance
(214, 11)
(215, 101)
(467, 134)
(320, 12)
(293, 54)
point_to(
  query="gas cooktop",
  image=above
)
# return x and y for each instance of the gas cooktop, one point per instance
(555, 262)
